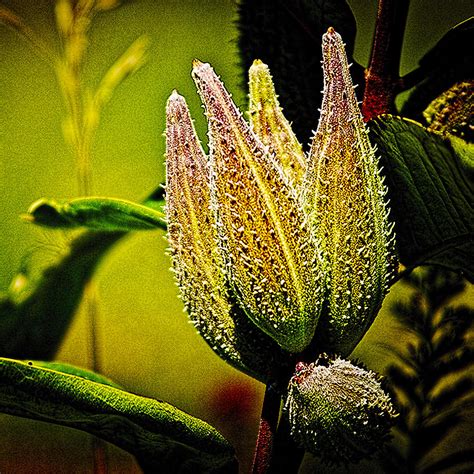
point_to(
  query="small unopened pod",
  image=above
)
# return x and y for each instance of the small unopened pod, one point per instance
(337, 410)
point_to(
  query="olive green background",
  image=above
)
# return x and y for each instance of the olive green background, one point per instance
(146, 342)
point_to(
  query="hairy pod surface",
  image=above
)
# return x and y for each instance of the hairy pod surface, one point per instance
(271, 255)
(271, 126)
(338, 410)
(197, 264)
(344, 196)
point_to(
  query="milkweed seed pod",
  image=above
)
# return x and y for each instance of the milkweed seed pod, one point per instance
(272, 258)
(344, 196)
(286, 235)
(196, 261)
(337, 410)
(271, 126)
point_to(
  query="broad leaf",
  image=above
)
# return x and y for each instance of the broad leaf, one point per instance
(74, 370)
(451, 60)
(39, 305)
(431, 195)
(163, 438)
(287, 37)
(95, 213)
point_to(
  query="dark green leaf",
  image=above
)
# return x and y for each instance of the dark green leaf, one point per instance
(37, 309)
(453, 463)
(431, 195)
(163, 438)
(450, 61)
(452, 393)
(430, 435)
(287, 37)
(96, 213)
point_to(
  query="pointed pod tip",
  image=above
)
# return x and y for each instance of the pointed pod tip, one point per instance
(258, 66)
(201, 70)
(175, 99)
(176, 108)
(332, 35)
(197, 64)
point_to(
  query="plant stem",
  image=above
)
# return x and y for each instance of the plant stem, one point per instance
(288, 455)
(266, 431)
(382, 79)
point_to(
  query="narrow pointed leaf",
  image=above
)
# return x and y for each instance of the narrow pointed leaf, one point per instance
(95, 213)
(344, 196)
(271, 255)
(196, 261)
(270, 125)
(431, 194)
(159, 435)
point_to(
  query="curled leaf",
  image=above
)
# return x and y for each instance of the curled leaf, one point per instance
(159, 435)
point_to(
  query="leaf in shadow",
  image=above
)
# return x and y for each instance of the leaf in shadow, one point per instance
(161, 437)
(436, 396)
(451, 60)
(431, 195)
(455, 462)
(36, 311)
(287, 37)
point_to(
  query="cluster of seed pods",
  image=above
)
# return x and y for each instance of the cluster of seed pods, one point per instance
(300, 245)
(276, 251)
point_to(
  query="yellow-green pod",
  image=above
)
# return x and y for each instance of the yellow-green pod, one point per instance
(271, 126)
(197, 264)
(344, 196)
(271, 255)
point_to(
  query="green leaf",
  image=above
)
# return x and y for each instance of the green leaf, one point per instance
(287, 37)
(163, 438)
(460, 461)
(36, 310)
(451, 60)
(95, 213)
(73, 370)
(431, 195)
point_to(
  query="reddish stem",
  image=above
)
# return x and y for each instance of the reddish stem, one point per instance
(382, 78)
(266, 431)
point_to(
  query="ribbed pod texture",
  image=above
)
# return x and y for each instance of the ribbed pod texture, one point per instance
(344, 197)
(271, 126)
(271, 255)
(197, 264)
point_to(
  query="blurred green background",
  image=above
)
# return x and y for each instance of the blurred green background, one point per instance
(146, 342)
